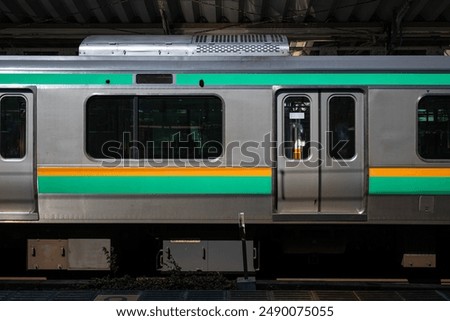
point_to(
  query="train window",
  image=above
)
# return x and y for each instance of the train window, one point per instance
(341, 120)
(109, 125)
(154, 127)
(12, 127)
(297, 127)
(433, 116)
(183, 127)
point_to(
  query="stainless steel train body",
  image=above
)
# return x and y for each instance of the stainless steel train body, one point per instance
(254, 134)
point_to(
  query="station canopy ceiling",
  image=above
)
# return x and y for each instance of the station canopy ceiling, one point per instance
(314, 27)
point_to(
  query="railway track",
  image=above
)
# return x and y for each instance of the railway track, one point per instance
(42, 289)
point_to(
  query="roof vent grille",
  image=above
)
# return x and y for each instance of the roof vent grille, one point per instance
(241, 45)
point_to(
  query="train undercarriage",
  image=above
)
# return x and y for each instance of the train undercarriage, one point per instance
(273, 251)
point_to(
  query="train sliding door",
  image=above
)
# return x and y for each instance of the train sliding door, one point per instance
(17, 184)
(342, 136)
(298, 152)
(320, 161)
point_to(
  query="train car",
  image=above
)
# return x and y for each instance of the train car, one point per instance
(146, 145)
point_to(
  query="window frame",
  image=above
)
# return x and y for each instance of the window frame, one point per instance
(307, 145)
(135, 129)
(328, 118)
(421, 157)
(25, 129)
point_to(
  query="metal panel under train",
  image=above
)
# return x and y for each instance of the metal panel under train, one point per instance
(196, 255)
(71, 254)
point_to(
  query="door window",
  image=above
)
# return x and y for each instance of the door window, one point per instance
(297, 127)
(341, 115)
(12, 127)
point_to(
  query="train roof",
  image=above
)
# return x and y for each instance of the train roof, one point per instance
(224, 53)
(227, 64)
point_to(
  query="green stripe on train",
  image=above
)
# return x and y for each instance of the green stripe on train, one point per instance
(154, 185)
(235, 79)
(409, 185)
(313, 79)
(67, 79)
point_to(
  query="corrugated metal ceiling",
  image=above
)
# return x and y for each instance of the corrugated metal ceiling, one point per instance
(227, 11)
(382, 25)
